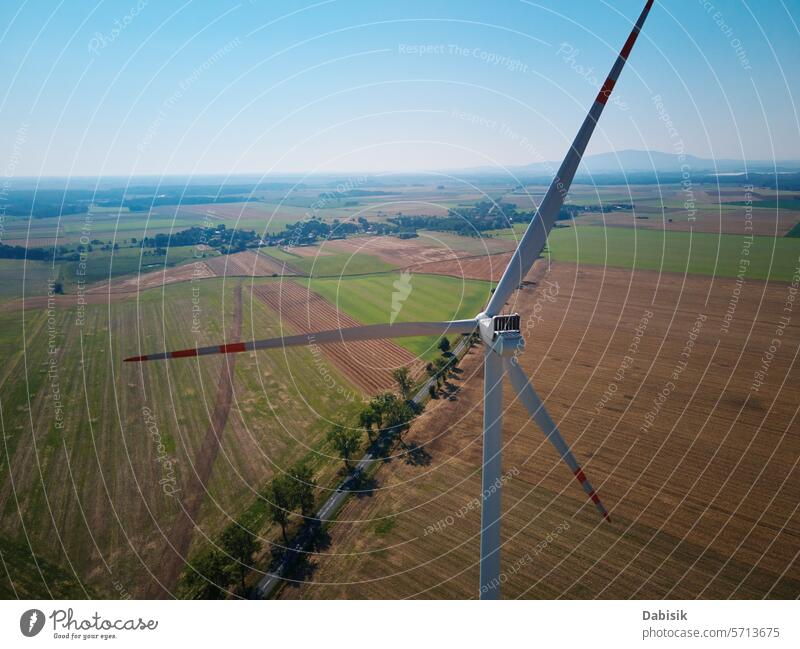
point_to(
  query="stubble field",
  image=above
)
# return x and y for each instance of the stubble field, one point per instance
(694, 453)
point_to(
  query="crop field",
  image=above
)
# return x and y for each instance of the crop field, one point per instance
(324, 261)
(101, 264)
(368, 364)
(246, 264)
(428, 247)
(694, 452)
(488, 267)
(118, 484)
(101, 225)
(30, 275)
(99, 481)
(667, 207)
(376, 298)
(679, 252)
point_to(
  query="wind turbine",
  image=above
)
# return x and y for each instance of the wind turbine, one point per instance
(499, 333)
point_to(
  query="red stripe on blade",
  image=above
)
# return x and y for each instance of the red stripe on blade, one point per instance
(580, 476)
(605, 91)
(231, 348)
(626, 49)
(134, 359)
(183, 353)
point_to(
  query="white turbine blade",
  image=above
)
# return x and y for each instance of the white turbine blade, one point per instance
(533, 403)
(492, 469)
(535, 237)
(349, 334)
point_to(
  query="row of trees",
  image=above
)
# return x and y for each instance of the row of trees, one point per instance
(210, 573)
(290, 492)
(387, 416)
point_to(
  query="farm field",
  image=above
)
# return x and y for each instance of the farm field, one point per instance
(369, 300)
(720, 220)
(226, 425)
(697, 253)
(679, 252)
(32, 275)
(101, 264)
(428, 247)
(248, 263)
(321, 261)
(101, 480)
(488, 267)
(701, 483)
(367, 364)
(664, 207)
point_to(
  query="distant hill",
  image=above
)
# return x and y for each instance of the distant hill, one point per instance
(636, 161)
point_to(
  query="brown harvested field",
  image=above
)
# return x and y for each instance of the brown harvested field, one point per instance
(728, 220)
(247, 264)
(429, 247)
(702, 481)
(310, 251)
(199, 269)
(368, 364)
(488, 267)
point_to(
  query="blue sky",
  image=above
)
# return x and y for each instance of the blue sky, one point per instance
(147, 87)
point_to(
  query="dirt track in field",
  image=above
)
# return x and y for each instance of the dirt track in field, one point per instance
(699, 467)
(368, 364)
(180, 537)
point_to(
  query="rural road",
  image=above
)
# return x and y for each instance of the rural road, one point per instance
(272, 580)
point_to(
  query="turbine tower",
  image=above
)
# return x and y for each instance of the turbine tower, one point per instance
(500, 334)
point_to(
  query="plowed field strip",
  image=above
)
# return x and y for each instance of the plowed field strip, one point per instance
(368, 364)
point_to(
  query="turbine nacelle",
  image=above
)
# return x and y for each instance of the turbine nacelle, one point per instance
(500, 333)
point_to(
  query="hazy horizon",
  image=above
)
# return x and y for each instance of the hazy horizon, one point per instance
(166, 89)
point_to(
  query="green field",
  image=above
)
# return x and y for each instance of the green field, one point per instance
(125, 261)
(787, 203)
(701, 253)
(680, 252)
(35, 274)
(432, 297)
